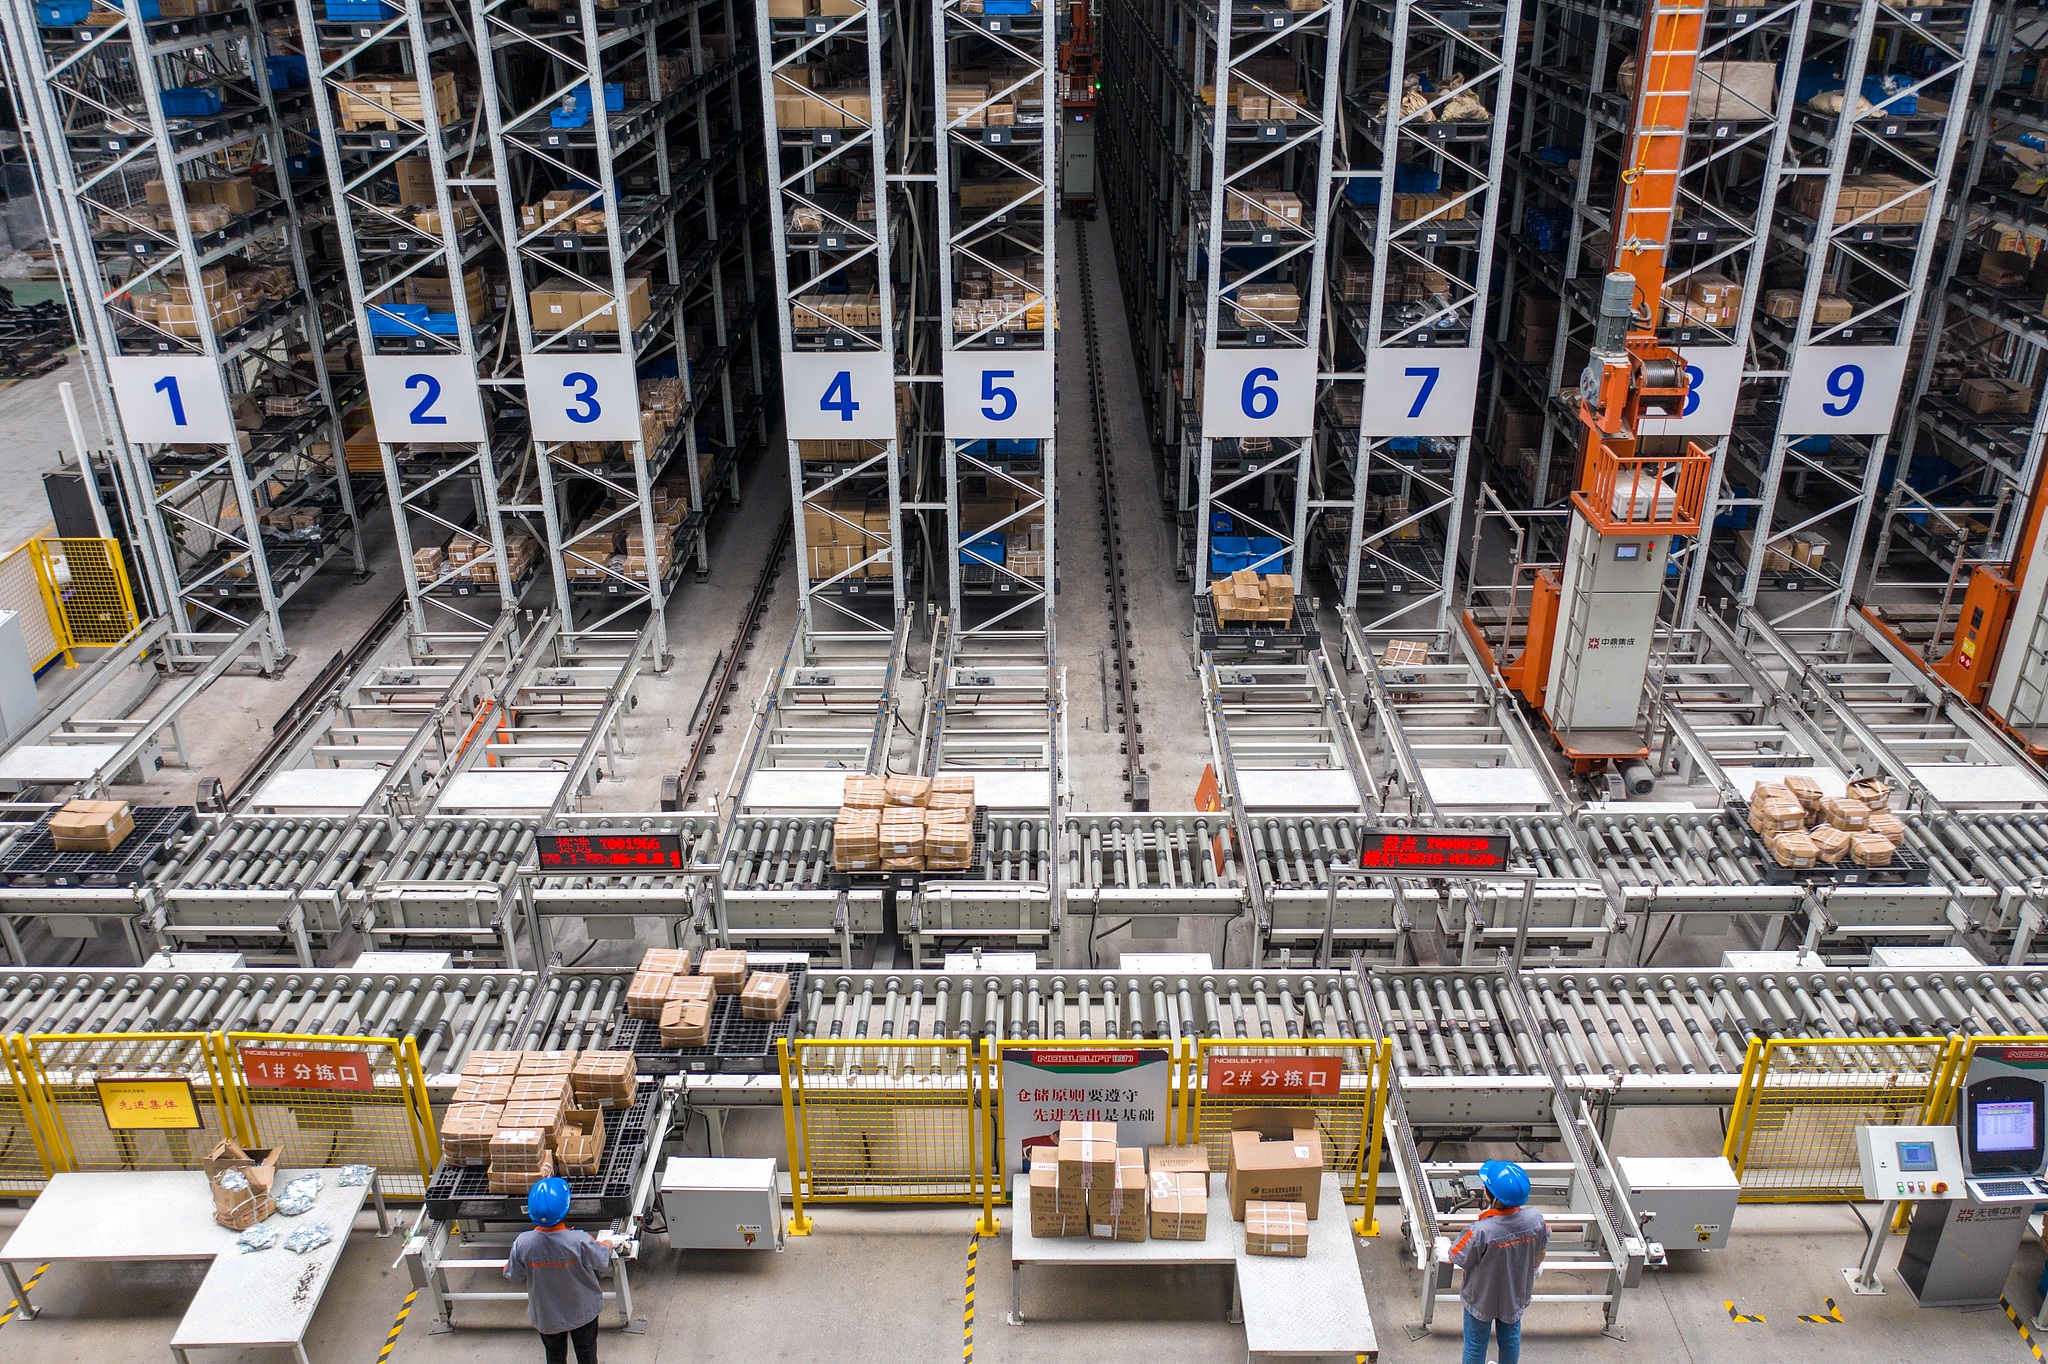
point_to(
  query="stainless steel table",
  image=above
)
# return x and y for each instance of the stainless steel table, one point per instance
(262, 1299)
(1290, 1307)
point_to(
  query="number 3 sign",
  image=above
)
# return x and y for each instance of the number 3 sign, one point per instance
(582, 397)
(1259, 392)
(1844, 390)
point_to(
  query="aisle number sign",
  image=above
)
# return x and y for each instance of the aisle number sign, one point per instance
(999, 395)
(1417, 391)
(1044, 1087)
(1713, 378)
(171, 400)
(424, 398)
(582, 397)
(827, 396)
(306, 1068)
(1843, 390)
(149, 1105)
(1259, 392)
(1235, 1076)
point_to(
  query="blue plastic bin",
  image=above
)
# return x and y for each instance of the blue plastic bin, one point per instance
(1268, 554)
(349, 11)
(286, 71)
(985, 547)
(1227, 554)
(62, 13)
(398, 319)
(198, 101)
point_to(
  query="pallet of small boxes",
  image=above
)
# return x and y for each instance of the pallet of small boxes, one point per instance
(1246, 597)
(527, 1115)
(905, 824)
(1803, 828)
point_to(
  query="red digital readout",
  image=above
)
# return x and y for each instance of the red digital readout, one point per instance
(1456, 853)
(608, 852)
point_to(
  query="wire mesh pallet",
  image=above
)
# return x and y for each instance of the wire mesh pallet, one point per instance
(463, 1191)
(37, 861)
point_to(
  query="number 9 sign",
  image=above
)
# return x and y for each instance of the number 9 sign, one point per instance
(1844, 390)
(1419, 391)
(999, 394)
(1259, 392)
(839, 396)
(582, 397)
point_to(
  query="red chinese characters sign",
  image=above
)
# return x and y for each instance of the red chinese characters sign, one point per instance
(302, 1068)
(608, 852)
(1264, 1076)
(1450, 853)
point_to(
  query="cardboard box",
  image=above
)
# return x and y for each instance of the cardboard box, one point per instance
(1870, 850)
(906, 793)
(466, 1132)
(543, 1114)
(1842, 812)
(1874, 792)
(492, 1063)
(1276, 1156)
(1086, 1155)
(1055, 1212)
(1996, 397)
(1116, 1207)
(556, 305)
(242, 1208)
(1177, 1205)
(549, 1063)
(685, 1023)
(579, 1142)
(1276, 1228)
(519, 1148)
(91, 825)
(1177, 1159)
(540, 1089)
(1888, 826)
(1792, 848)
(481, 1089)
(1830, 845)
(2005, 269)
(603, 1079)
(765, 996)
(725, 968)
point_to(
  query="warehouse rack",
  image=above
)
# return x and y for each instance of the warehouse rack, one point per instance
(1427, 91)
(174, 145)
(1220, 126)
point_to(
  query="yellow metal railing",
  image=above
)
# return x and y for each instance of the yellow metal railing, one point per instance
(388, 1125)
(68, 594)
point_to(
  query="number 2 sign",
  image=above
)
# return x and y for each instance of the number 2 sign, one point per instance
(1844, 390)
(1002, 394)
(171, 400)
(845, 396)
(1259, 392)
(1419, 391)
(424, 398)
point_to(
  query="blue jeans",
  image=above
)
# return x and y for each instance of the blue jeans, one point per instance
(1477, 1329)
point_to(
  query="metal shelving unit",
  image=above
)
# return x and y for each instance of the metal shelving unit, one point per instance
(176, 145)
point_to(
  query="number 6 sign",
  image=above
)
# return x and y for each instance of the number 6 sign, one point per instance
(1844, 390)
(424, 398)
(999, 394)
(1419, 391)
(171, 400)
(848, 396)
(1259, 392)
(582, 397)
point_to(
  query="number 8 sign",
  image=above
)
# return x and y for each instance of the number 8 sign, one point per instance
(1844, 390)
(1259, 392)
(845, 396)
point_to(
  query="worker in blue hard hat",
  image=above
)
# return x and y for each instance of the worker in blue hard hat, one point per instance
(1501, 1254)
(559, 1266)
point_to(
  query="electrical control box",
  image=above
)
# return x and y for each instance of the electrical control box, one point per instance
(1688, 1201)
(1905, 1164)
(721, 1203)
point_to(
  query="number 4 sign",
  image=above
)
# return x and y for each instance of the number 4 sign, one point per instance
(1844, 390)
(1419, 392)
(1259, 392)
(848, 396)
(171, 400)
(424, 398)
(1004, 395)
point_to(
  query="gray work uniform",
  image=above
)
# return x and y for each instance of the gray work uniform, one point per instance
(559, 1269)
(1499, 1257)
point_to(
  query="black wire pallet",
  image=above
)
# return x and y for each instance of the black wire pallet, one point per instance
(464, 1192)
(1908, 867)
(746, 1046)
(642, 1037)
(975, 870)
(1298, 635)
(36, 861)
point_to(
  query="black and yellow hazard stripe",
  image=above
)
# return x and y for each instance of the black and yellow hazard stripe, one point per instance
(397, 1325)
(967, 1307)
(1734, 1315)
(1831, 1317)
(2021, 1327)
(14, 1307)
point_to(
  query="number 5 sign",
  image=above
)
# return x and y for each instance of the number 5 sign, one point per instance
(1419, 392)
(1844, 390)
(1000, 395)
(848, 396)
(1259, 392)
(171, 400)
(424, 398)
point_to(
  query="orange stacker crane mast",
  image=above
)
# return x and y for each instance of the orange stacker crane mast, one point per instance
(1587, 646)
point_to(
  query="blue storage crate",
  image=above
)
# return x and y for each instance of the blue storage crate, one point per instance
(1557, 156)
(1227, 554)
(1417, 180)
(1405, 445)
(443, 324)
(1015, 446)
(286, 71)
(570, 118)
(306, 166)
(1222, 523)
(985, 547)
(62, 13)
(199, 101)
(1814, 445)
(973, 447)
(1363, 189)
(1267, 554)
(1009, 6)
(398, 319)
(1893, 93)
(350, 11)
(1734, 518)
(614, 98)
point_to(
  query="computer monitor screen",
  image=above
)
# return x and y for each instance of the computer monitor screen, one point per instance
(2005, 1126)
(1916, 1155)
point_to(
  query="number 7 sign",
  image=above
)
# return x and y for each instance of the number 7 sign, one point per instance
(1419, 391)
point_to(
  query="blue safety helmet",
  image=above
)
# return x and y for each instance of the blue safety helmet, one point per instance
(547, 1202)
(1506, 1181)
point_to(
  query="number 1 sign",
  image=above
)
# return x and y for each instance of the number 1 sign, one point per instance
(1259, 392)
(424, 398)
(1417, 391)
(171, 400)
(1844, 390)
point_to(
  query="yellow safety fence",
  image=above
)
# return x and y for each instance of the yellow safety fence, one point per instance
(80, 1102)
(1792, 1133)
(924, 1121)
(68, 594)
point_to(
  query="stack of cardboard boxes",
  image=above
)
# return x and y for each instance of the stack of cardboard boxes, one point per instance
(91, 825)
(1786, 553)
(905, 824)
(1246, 597)
(1804, 828)
(528, 1114)
(1275, 1178)
(1895, 200)
(843, 532)
(565, 305)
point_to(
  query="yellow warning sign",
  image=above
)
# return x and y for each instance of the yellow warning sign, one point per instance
(149, 1105)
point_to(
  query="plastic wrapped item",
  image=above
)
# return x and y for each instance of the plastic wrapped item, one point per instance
(299, 1196)
(261, 1237)
(234, 1181)
(354, 1176)
(308, 1237)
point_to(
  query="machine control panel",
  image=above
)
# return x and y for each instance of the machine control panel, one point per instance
(1904, 1164)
